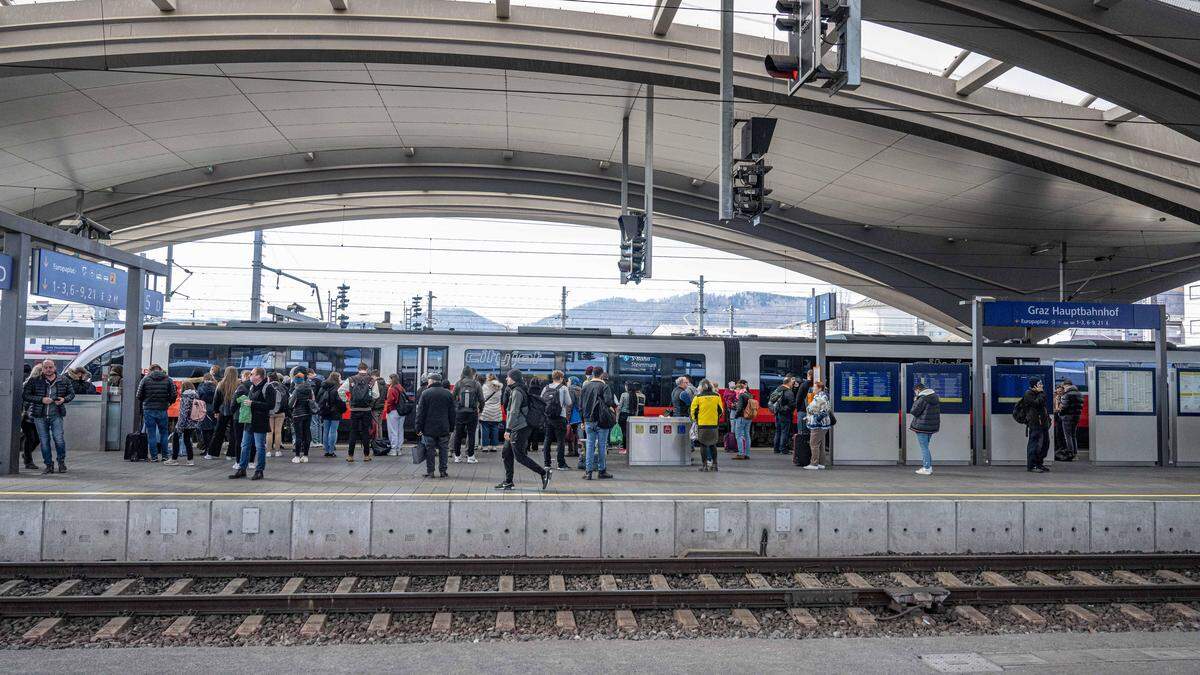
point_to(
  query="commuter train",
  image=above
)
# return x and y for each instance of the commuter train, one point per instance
(652, 361)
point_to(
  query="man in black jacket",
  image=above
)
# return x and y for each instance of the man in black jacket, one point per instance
(1072, 410)
(468, 402)
(47, 397)
(1032, 410)
(156, 392)
(435, 420)
(782, 403)
(302, 403)
(258, 402)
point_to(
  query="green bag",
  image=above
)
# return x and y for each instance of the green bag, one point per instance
(243, 410)
(615, 437)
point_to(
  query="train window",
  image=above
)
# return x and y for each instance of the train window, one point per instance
(408, 367)
(578, 362)
(436, 360)
(1075, 370)
(484, 361)
(646, 370)
(98, 367)
(186, 359)
(533, 362)
(773, 368)
(257, 356)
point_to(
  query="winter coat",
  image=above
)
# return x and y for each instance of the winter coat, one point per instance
(518, 406)
(706, 410)
(739, 405)
(361, 378)
(435, 412)
(595, 393)
(156, 391)
(564, 399)
(262, 402)
(680, 402)
(82, 387)
(330, 389)
(396, 397)
(818, 412)
(490, 397)
(302, 393)
(185, 411)
(1072, 401)
(926, 412)
(1034, 403)
(282, 395)
(37, 388)
(787, 403)
(207, 392)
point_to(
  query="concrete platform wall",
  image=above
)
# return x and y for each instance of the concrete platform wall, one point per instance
(91, 530)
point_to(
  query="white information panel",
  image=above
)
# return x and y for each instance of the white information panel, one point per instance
(1189, 392)
(1123, 426)
(1125, 391)
(1185, 416)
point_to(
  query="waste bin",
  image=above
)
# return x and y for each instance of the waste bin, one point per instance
(659, 441)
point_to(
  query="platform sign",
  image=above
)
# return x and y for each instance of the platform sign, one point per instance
(65, 277)
(867, 387)
(6, 268)
(1187, 390)
(1009, 384)
(950, 381)
(1122, 390)
(1070, 315)
(822, 308)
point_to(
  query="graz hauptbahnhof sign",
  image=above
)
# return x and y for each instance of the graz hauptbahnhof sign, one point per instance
(1070, 315)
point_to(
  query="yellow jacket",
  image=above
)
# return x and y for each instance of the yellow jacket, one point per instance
(707, 409)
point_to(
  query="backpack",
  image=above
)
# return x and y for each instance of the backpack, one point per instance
(551, 401)
(281, 397)
(360, 394)
(751, 409)
(464, 398)
(535, 411)
(331, 405)
(404, 405)
(1020, 413)
(199, 410)
(775, 398)
(602, 415)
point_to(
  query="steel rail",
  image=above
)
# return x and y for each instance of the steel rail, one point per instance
(369, 567)
(277, 603)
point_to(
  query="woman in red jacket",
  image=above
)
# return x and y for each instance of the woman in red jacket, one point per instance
(395, 408)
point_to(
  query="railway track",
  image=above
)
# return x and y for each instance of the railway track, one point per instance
(40, 600)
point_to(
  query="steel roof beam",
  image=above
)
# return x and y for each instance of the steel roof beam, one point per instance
(953, 65)
(340, 5)
(1104, 4)
(164, 5)
(1117, 115)
(664, 15)
(976, 79)
(1087, 101)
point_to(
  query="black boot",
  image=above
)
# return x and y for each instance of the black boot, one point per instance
(240, 473)
(49, 469)
(31, 466)
(257, 475)
(62, 467)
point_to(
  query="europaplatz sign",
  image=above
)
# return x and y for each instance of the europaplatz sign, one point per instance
(57, 275)
(1070, 315)
(5, 272)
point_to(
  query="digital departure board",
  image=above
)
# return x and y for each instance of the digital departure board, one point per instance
(951, 382)
(1187, 390)
(1009, 384)
(867, 387)
(1124, 391)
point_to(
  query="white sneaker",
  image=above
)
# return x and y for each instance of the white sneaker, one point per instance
(295, 460)
(457, 459)
(304, 459)
(472, 460)
(170, 462)
(820, 466)
(279, 453)
(811, 467)
(191, 463)
(925, 472)
(235, 465)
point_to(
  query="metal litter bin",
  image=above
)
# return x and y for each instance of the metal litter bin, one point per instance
(659, 441)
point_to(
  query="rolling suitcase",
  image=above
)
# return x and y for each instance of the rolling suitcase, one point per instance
(801, 450)
(136, 447)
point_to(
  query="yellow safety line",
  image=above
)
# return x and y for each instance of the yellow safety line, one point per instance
(534, 492)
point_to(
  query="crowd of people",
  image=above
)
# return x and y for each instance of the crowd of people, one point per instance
(248, 415)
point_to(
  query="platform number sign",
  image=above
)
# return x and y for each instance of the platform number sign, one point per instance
(6, 266)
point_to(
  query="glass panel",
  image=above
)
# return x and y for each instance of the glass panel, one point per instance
(577, 362)
(186, 359)
(407, 366)
(435, 359)
(98, 367)
(773, 368)
(245, 358)
(1075, 370)
(646, 370)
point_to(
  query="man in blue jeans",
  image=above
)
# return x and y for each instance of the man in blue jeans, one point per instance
(47, 396)
(739, 422)
(156, 392)
(595, 396)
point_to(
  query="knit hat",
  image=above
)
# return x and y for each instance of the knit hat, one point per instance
(517, 376)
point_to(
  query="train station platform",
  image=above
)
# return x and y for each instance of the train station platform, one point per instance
(108, 509)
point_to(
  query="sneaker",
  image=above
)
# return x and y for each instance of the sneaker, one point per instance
(304, 459)
(208, 456)
(457, 459)
(443, 474)
(562, 466)
(153, 459)
(48, 470)
(820, 466)
(740, 457)
(296, 460)
(191, 463)
(331, 454)
(235, 466)
(587, 476)
(547, 467)
(240, 473)
(504, 486)
(924, 472)
(546, 478)
(427, 475)
(604, 475)
(714, 466)
(350, 458)
(170, 462)
(366, 457)
(279, 453)
(62, 467)
(704, 467)
(812, 467)
(1038, 469)
(472, 460)
(31, 466)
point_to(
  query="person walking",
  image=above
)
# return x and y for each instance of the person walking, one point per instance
(156, 392)
(556, 399)
(819, 418)
(225, 408)
(782, 403)
(468, 402)
(926, 421)
(517, 432)
(303, 406)
(745, 409)
(492, 417)
(1071, 409)
(396, 407)
(362, 392)
(47, 396)
(255, 414)
(190, 416)
(1031, 411)
(436, 416)
(706, 411)
(597, 407)
(330, 406)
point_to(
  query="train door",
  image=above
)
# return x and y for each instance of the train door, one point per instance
(413, 361)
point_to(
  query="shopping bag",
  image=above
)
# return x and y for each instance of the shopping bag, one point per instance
(615, 437)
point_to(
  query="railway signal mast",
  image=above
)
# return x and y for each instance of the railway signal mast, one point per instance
(343, 302)
(811, 27)
(633, 248)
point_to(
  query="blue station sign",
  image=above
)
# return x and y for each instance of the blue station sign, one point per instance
(822, 308)
(65, 277)
(6, 270)
(1070, 315)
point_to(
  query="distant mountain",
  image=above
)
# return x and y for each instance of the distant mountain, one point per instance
(751, 310)
(461, 318)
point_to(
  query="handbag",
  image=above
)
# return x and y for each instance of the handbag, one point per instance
(419, 450)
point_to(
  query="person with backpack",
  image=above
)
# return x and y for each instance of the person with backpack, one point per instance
(436, 417)
(396, 407)
(631, 404)
(277, 415)
(1031, 411)
(745, 409)
(362, 391)
(156, 392)
(1070, 410)
(706, 412)
(468, 403)
(206, 391)
(783, 404)
(303, 406)
(330, 407)
(556, 402)
(254, 412)
(926, 421)
(491, 417)
(819, 420)
(519, 426)
(192, 411)
(597, 407)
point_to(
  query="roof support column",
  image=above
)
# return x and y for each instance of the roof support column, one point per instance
(958, 61)
(648, 184)
(976, 79)
(12, 343)
(131, 367)
(725, 155)
(625, 164)
(664, 15)
(981, 454)
(256, 277)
